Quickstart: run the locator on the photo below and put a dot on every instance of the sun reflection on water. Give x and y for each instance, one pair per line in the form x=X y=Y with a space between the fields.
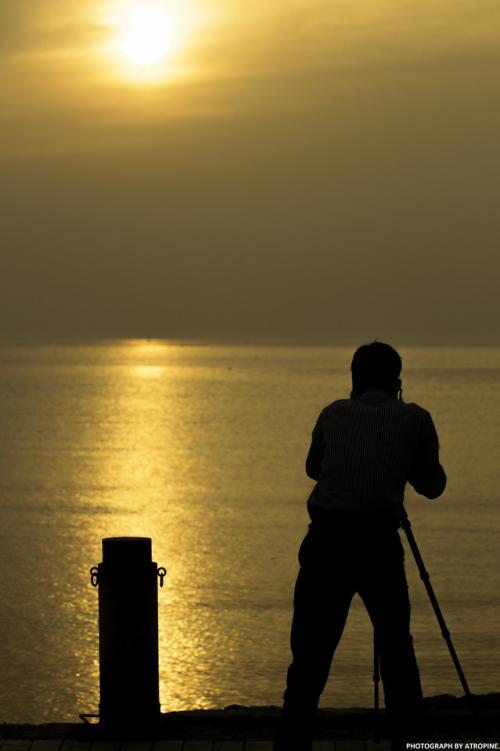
x=179 y=443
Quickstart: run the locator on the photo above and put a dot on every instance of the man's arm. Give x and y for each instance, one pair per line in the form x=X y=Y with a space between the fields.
x=315 y=455
x=427 y=475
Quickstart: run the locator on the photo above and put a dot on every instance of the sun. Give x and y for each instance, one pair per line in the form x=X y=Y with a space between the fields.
x=147 y=42
x=147 y=35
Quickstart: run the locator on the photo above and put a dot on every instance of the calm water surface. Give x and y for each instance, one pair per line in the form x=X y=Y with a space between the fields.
x=202 y=448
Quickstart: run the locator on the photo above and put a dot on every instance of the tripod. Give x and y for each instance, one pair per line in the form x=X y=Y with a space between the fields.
x=424 y=575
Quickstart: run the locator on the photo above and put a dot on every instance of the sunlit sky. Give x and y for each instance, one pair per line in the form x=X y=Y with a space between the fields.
x=213 y=169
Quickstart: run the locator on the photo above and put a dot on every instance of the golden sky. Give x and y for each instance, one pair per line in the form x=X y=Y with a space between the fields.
x=328 y=152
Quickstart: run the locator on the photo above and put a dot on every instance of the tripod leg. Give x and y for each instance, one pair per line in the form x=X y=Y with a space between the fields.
x=424 y=575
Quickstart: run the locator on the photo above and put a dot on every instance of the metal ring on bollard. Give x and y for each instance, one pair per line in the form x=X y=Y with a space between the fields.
x=94 y=576
x=162 y=572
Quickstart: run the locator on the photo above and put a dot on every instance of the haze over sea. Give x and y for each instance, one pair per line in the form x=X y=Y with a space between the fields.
x=202 y=448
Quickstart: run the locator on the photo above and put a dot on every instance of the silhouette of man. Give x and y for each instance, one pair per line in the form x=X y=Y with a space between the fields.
x=363 y=452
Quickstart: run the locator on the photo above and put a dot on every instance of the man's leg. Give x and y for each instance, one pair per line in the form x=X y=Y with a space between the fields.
x=321 y=604
x=384 y=591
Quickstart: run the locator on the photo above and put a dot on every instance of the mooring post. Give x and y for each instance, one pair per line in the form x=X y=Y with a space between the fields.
x=128 y=631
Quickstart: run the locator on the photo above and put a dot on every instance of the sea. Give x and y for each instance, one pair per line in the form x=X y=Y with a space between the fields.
x=201 y=447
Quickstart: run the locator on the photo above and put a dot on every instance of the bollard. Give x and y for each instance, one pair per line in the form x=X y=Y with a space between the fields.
x=128 y=631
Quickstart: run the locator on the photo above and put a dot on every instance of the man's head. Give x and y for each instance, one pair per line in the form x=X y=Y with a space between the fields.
x=378 y=366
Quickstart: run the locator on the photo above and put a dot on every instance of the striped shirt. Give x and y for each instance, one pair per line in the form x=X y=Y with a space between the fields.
x=365 y=449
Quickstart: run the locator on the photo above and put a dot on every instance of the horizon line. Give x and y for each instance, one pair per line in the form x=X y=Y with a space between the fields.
x=247 y=340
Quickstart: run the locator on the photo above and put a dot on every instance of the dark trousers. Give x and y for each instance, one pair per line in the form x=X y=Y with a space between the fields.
x=338 y=558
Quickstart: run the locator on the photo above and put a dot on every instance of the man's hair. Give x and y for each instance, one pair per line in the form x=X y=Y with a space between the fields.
x=375 y=365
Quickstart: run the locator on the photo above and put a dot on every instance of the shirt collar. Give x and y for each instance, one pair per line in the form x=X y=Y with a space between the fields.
x=374 y=393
